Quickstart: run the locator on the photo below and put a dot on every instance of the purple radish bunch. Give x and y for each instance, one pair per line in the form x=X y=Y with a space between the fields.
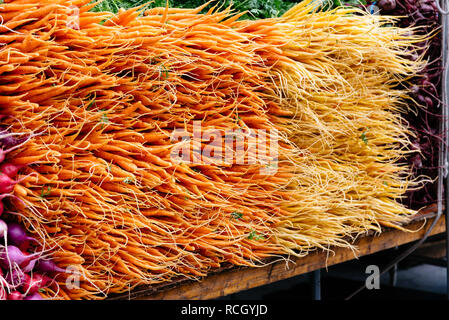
x=424 y=90
x=22 y=274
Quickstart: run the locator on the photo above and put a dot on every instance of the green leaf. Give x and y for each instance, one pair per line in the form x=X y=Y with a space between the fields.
x=236 y=215
x=364 y=138
x=253 y=235
x=258 y=9
x=165 y=71
x=45 y=193
x=104 y=118
x=128 y=180
x=91 y=104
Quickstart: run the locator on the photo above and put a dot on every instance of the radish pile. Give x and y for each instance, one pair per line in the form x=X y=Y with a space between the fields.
x=22 y=272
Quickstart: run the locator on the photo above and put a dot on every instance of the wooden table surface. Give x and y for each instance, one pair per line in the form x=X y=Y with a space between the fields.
x=235 y=279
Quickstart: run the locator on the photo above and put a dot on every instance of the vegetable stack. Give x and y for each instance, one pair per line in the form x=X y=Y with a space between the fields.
x=426 y=96
x=23 y=269
x=103 y=97
x=23 y=273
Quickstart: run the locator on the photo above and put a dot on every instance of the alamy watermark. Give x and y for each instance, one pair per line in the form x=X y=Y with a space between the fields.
x=72 y=281
x=373 y=280
x=225 y=147
x=73 y=17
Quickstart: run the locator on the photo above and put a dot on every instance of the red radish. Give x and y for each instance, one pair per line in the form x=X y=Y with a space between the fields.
x=17 y=234
x=14 y=256
x=25 y=246
x=26 y=282
x=30 y=266
x=45 y=265
x=10 y=169
x=2 y=207
x=46 y=281
x=15 y=295
x=15 y=278
x=32 y=284
x=42 y=279
x=34 y=296
x=11 y=141
x=7 y=140
x=6 y=183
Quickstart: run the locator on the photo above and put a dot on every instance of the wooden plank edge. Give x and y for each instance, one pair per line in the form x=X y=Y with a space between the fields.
x=239 y=279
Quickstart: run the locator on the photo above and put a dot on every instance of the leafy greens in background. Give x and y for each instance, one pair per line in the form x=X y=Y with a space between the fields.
x=257 y=9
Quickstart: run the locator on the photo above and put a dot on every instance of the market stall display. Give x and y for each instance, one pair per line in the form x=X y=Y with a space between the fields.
x=163 y=143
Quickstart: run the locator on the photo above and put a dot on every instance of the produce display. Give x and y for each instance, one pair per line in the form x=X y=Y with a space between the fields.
x=164 y=143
